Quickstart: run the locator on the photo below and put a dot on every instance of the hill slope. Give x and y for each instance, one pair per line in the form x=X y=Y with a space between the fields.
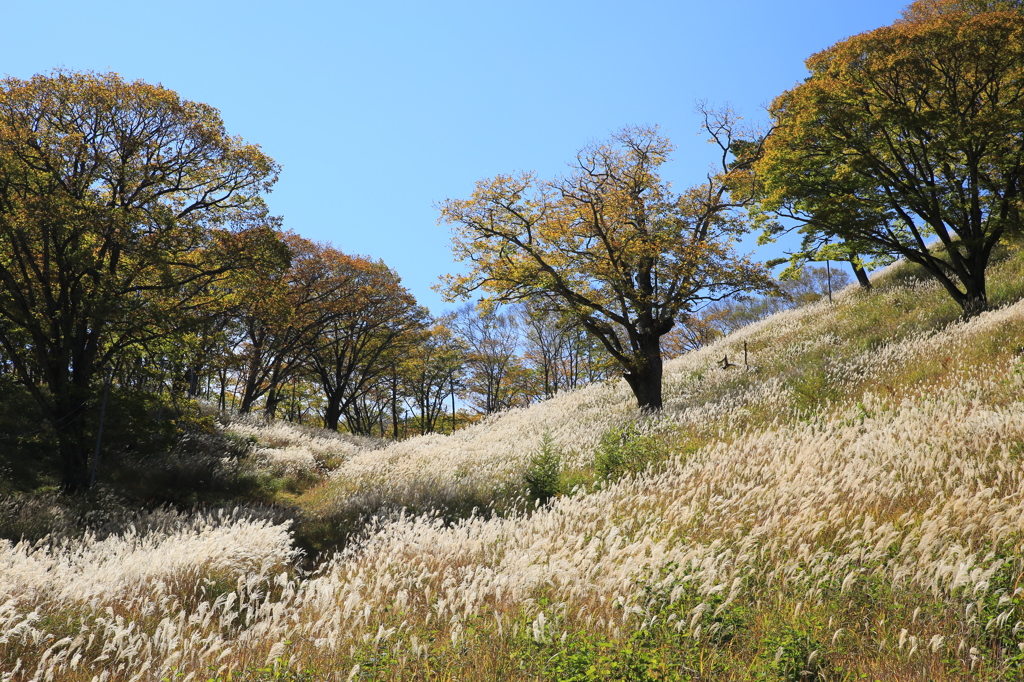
x=848 y=507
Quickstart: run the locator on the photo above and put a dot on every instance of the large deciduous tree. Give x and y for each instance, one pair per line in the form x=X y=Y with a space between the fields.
x=119 y=204
x=610 y=245
x=909 y=133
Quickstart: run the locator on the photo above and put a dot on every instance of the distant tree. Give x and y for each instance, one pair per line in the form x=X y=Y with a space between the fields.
x=432 y=372
x=610 y=245
x=495 y=378
x=120 y=203
x=559 y=350
x=907 y=133
x=695 y=331
x=376 y=321
x=280 y=318
x=816 y=247
x=801 y=287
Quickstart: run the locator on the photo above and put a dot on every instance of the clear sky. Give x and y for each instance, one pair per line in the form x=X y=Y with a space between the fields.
x=378 y=110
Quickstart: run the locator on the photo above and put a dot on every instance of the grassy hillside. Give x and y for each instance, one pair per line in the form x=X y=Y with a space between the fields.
x=848 y=507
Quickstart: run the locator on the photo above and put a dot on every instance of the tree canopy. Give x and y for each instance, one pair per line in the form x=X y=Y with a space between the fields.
x=909 y=140
x=609 y=245
x=119 y=204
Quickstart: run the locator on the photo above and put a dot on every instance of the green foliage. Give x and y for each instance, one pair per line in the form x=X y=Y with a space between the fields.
x=837 y=161
x=812 y=387
x=625 y=451
x=791 y=654
x=585 y=659
x=543 y=479
x=158 y=204
x=995 y=616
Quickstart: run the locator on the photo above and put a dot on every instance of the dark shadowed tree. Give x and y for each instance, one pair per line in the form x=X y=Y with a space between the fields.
x=376 y=320
x=120 y=203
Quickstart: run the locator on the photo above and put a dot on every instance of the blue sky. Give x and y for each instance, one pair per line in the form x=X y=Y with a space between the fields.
x=377 y=111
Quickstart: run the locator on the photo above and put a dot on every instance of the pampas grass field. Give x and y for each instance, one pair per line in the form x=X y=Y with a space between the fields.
x=850 y=506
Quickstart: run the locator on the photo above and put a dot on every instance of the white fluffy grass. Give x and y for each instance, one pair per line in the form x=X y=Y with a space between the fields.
x=910 y=490
x=288 y=448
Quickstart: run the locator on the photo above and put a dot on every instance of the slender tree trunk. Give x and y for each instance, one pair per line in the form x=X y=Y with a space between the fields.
x=222 y=377
x=862 y=275
x=394 y=404
x=270 y=408
x=250 y=388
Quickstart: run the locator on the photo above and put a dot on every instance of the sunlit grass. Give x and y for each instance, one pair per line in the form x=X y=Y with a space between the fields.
x=848 y=507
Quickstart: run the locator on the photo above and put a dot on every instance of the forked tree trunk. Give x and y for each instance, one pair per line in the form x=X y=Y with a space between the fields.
x=973 y=299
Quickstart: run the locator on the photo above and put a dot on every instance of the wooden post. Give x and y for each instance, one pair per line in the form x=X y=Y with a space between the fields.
x=828 y=269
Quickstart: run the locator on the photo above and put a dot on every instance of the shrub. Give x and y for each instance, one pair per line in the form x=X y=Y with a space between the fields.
x=625 y=451
x=792 y=655
x=544 y=477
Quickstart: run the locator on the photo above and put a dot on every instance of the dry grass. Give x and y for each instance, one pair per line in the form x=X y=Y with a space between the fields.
x=850 y=507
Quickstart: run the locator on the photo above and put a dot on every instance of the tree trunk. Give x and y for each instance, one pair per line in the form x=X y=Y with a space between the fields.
x=332 y=413
x=69 y=423
x=976 y=297
x=974 y=304
x=270 y=408
x=250 y=388
x=862 y=276
x=645 y=379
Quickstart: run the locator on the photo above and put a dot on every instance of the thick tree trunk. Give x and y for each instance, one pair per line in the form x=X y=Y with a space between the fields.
x=645 y=379
x=974 y=304
x=74 y=465
x=69 y=423
x=332 y=413
x=975 y=300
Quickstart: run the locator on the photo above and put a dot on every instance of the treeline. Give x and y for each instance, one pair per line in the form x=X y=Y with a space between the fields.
x=336 y=341
x=139 y=263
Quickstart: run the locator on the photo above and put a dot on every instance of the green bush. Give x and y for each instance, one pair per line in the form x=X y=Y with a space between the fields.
x=625 y=451
x=792 y=655
x=544 y=477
